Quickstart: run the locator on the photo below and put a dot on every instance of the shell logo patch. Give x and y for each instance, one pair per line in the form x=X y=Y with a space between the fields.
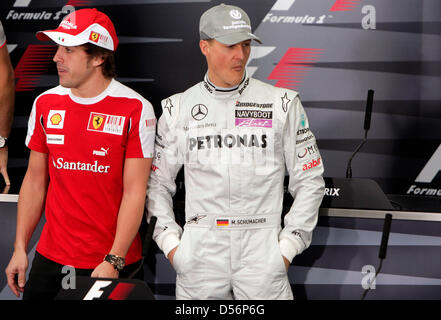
x=55 y=119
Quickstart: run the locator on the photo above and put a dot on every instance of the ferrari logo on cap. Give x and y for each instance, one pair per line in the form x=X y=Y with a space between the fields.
x=94 y=36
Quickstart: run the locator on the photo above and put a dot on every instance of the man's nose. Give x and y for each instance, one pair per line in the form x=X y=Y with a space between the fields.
x=58 y=55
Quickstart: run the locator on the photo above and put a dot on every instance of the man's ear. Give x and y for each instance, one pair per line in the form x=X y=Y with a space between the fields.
x=205 y=47
x=97 y=61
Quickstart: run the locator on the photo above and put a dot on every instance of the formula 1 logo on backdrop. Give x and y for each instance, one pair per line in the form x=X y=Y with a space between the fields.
x=432 y=167
x=339 y=5
x=427 y=175
x=368 y=12
x=285 y=5
x=34 y=15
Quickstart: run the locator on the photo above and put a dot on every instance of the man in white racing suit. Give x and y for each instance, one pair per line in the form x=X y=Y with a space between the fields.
x=236 y=138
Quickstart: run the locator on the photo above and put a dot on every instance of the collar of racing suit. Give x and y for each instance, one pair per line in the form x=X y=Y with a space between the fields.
x=225 y=93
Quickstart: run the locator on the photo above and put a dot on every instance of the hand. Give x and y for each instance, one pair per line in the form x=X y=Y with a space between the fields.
x=4 y=165
x=17 y=267
x=171 y=255
x=287 y=263
x=105 y=270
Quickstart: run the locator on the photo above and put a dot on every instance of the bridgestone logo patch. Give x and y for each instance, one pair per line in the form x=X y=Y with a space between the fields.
x=253 y=105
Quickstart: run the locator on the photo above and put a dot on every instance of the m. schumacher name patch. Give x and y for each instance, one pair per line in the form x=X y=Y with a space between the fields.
x=238 y=222
x=106 y=123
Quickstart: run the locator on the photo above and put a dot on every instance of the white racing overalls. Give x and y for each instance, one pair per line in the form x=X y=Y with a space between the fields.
x=236 y=147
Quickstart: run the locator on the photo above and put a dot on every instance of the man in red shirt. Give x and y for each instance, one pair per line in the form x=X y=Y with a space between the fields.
x=92 y=142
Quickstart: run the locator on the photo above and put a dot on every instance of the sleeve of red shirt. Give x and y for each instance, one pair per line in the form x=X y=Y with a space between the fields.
x=36 y=136
x=141 y=136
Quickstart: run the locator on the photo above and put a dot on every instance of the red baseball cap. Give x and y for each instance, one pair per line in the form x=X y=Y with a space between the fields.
x=83 y=26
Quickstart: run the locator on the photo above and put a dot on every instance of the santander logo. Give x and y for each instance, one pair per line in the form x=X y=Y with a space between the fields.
x=94 y=167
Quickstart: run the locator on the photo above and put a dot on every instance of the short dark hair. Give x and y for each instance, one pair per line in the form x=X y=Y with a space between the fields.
x=108 y=67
